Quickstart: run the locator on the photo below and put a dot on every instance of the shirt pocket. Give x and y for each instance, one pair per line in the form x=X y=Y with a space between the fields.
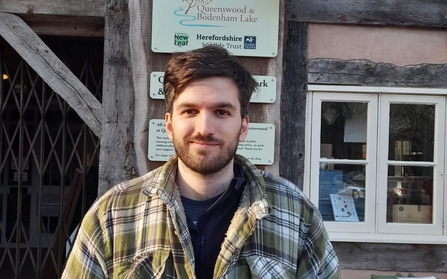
x=152 y=265
x=269 y=268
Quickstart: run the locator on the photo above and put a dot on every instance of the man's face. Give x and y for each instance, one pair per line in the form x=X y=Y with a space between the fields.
x=206 y=125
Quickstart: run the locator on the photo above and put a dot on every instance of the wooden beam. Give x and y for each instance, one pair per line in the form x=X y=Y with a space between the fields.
x=95 y=8
x=293 y=104
x=65 y=25
x=48 y=66
x=422 y=13
x=117 y=154
x=392 y=257
x=143 y=62
x=367 y=73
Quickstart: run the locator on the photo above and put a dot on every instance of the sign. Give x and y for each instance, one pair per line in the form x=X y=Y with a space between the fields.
x=265 y=93
x=243 y=27
x=343 y=207
x=408 y=213
x=258 y=147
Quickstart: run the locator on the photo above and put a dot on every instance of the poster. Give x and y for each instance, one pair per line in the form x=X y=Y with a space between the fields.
x=344 y=208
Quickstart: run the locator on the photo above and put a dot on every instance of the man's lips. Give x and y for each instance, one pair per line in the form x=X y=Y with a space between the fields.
x=205 y=143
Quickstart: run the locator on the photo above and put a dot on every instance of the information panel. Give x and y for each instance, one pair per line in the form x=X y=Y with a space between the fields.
x=265 y=93
x=243 y=27
x=258 y=147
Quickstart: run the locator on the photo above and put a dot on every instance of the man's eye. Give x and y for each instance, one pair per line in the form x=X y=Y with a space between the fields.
x=189 y=111
x=222 y=112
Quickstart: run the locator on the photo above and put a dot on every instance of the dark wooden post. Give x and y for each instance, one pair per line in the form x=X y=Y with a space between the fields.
x=293 y=103
x=117 y=154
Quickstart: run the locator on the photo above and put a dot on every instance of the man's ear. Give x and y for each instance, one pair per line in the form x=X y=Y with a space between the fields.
x=168 y=122
x=244 y=129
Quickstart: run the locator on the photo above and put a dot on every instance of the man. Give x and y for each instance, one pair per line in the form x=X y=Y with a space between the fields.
x=207 y=212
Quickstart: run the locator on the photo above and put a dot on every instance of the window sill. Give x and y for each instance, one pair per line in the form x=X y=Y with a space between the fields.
x=387 y=238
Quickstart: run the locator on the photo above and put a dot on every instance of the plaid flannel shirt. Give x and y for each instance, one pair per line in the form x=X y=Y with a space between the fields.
x=138 y=229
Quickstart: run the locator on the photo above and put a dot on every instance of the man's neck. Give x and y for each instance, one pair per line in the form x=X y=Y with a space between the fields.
x=196 y=186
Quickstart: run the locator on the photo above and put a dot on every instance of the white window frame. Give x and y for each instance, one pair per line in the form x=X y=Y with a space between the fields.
x=375 y=228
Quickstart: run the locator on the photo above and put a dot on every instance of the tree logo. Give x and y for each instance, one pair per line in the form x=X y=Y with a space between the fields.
x=193 y=3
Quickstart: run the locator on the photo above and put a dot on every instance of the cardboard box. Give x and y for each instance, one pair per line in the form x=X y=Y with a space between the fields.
x=406 y=213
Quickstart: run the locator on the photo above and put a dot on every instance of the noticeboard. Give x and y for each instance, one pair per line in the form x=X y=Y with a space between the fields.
x=243 y=27
x=265 y=93
x=258 y=147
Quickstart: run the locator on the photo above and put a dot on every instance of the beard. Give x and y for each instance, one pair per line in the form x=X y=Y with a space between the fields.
x=203 y=161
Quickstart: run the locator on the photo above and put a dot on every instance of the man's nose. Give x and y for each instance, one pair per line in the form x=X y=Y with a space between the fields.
x=206 y=123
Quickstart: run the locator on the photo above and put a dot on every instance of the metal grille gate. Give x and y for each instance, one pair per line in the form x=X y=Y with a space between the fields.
x=48 y=161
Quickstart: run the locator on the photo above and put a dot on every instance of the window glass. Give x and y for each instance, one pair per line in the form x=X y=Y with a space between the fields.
x=411 y=132
x=343 y=136
x=409 y=194
x=342 y=192
x=343 y=130
x=410 y=187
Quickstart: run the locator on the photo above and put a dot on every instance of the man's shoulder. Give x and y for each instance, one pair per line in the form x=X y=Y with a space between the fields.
x=136 y=184
x=279 y=183
x=284 y=194
x=132 y=192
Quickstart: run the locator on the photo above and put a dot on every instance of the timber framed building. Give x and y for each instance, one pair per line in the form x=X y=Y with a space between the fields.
x=361 y=108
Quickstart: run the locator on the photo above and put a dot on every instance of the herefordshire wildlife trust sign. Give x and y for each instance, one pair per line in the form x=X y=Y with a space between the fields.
x=244 y=27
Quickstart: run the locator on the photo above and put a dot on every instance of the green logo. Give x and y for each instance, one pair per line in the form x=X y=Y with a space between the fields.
x=181 y=39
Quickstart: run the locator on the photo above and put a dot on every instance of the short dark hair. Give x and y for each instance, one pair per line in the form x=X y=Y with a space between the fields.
x=209 y=61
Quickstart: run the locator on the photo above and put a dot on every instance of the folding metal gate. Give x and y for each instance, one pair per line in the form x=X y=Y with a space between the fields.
x=48 y=161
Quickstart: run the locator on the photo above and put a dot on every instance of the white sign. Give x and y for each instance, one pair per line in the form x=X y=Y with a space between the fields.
x=265 y=93
x=243 y=27
x=258 y=147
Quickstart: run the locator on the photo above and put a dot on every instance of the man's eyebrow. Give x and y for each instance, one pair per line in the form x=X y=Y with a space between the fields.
x=218 y=105
x=225 y=105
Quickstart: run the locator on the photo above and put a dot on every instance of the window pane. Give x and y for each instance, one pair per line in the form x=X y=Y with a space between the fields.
x=343 y=130
x=411 y=132
x=409 y=195
x=342 y=193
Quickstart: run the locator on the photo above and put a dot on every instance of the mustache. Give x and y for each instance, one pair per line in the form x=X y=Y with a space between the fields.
x=202 y=138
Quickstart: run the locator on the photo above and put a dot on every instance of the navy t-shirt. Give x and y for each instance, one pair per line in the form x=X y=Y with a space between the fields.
x=208 y=222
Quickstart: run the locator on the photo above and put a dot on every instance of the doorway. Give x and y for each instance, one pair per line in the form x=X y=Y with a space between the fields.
x=48 y=160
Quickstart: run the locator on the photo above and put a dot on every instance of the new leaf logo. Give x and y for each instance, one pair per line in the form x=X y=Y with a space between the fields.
x=181 y=39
